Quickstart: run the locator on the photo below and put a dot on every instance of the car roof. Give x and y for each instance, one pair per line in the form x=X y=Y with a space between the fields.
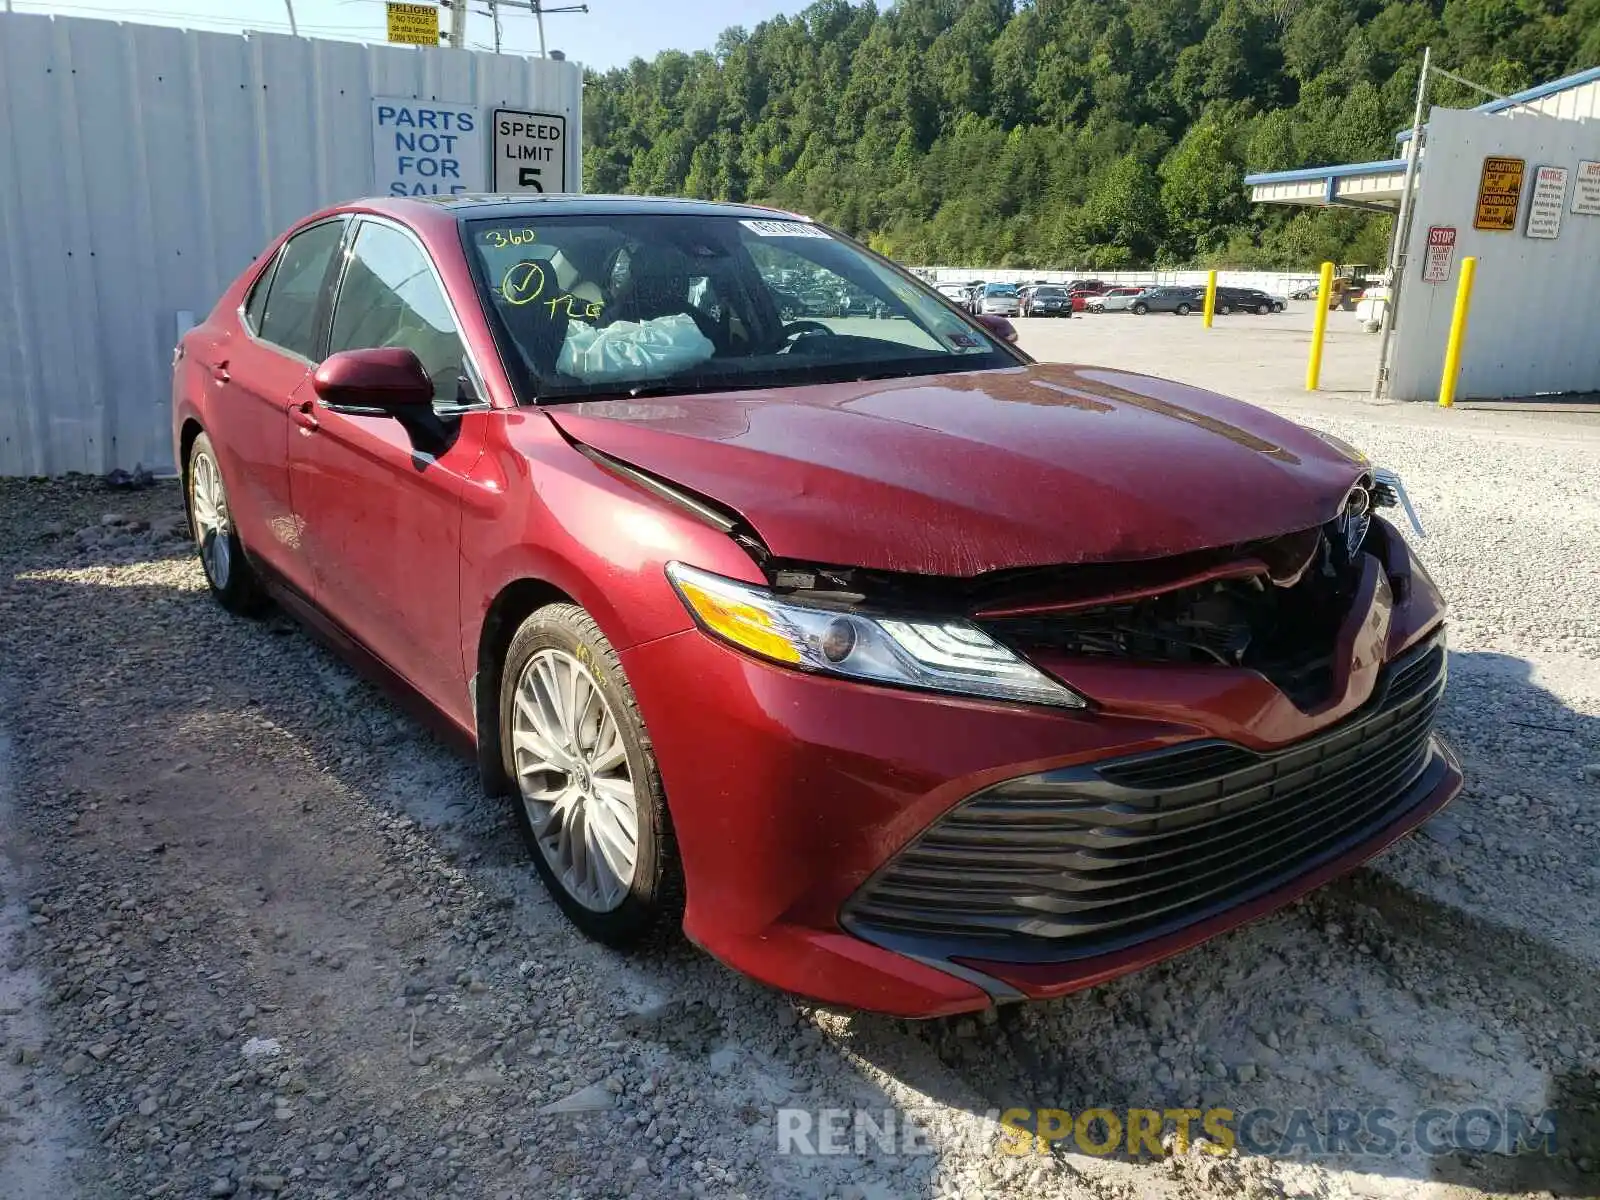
x=516 y=206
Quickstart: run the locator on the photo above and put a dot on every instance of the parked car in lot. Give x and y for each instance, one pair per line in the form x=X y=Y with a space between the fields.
x=1117 y=299
x=1180 y=300
x=957 y=293
x=1047 y=300
x=999 y=299
x=1238 y=299
x=714 y=601
x=1085 y=285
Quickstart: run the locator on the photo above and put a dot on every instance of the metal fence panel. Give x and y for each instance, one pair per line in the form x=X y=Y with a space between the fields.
x=142 y=167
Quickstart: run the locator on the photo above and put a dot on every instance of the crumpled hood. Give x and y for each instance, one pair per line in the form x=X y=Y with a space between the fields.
x=956 y=475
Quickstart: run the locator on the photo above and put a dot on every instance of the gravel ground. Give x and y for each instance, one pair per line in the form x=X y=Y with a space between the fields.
x=259 y=935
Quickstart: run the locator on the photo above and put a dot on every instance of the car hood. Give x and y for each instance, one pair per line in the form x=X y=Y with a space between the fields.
x=956 y=475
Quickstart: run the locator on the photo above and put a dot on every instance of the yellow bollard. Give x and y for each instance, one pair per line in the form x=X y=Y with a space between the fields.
x=1458 y=333
x=1211 y=297
x=1314 y=366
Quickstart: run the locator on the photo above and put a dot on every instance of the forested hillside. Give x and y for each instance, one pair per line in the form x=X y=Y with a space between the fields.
x=1062 y=132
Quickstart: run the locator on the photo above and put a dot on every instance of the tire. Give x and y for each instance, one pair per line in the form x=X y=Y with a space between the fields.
x=616 y=911
x=233 y=581
x=1182 y=310
x=1140 y=309
x=1225 y=310
x=1263 y=309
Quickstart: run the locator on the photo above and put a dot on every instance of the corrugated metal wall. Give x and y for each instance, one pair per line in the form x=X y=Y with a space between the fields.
x=143 y=167
x=1532 y=326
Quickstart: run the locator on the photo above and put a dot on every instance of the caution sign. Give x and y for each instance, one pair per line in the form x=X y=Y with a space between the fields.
x=530 y=151
x=1499 y=194
x=413 y=24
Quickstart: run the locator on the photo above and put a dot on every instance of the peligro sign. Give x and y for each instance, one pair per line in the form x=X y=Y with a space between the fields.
x=431 y=148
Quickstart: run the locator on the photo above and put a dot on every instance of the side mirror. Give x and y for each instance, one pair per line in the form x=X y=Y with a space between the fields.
x=383 y=381
x=999 y=326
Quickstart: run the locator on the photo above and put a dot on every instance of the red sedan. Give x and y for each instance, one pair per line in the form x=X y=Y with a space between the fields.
x=907 y=673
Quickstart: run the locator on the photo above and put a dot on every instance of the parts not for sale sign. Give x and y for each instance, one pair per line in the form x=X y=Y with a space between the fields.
x=530 y=151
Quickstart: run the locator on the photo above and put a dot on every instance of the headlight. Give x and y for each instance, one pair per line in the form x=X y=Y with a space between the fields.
x=948 y=655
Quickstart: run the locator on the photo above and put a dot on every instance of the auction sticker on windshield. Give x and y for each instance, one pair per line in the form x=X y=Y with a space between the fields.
x=784 y=229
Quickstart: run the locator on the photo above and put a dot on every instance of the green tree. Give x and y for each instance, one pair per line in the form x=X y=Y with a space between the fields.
x=1061 y=132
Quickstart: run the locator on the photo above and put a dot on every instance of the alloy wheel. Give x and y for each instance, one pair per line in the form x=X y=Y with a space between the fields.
x=208 y=507
x=574 y=778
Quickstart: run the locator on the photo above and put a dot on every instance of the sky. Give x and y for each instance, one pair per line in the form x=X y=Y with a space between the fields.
x=612 y=33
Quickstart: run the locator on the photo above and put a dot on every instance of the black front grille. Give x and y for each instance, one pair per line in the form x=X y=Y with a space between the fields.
x=1084 y=860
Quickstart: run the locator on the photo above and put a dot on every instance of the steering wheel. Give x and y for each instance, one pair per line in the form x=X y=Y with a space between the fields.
x=796 y=328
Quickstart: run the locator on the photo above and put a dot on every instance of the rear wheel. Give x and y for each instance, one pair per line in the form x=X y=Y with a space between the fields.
x=1141 y=308
x=232 y=579
x=1182 y=310
x=589 y=799
x=1263 y=309
x=1225 y=309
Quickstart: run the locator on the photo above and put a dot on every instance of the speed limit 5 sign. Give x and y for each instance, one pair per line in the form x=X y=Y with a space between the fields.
x=530 y=151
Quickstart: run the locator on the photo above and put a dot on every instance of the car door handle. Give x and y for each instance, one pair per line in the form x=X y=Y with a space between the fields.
x=304 y=416
x=219 y=371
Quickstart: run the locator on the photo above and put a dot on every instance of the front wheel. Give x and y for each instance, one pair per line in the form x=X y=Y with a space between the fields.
x=1141 y=309
x=1182 y=310
x=1263 y=309
x=589 y=800
x=232 y=579
x=1225 y=309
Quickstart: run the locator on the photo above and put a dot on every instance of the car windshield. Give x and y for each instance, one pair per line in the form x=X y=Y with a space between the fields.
x=1000 y=289
x=622 y=304
x=1049 y=291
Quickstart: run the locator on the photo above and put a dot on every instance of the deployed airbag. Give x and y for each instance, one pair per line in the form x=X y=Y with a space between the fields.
x=633 y=349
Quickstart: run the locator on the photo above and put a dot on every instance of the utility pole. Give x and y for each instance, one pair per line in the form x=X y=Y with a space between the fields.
x=538 y=8
x=494 y=11
x=294 y=30
x=1401 y=240
x=458 y=24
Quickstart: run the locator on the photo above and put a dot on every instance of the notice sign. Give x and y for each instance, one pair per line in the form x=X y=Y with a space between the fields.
x=530 y=151
x=1547 y=202
x=1586 y=190
x=413 y=24
x=425 y=148
x=1440 y=255
x=1499 y=194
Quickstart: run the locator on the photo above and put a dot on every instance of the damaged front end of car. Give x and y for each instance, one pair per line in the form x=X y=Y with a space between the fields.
x=1138 y=754
x=1309 y=667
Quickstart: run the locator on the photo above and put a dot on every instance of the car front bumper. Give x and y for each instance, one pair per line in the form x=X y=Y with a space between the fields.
x=819 y=820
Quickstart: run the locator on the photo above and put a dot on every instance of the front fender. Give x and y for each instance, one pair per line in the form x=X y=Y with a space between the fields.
x=538 y=510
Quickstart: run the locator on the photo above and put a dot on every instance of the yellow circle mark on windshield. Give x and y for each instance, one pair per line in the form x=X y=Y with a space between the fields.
x=522 y=283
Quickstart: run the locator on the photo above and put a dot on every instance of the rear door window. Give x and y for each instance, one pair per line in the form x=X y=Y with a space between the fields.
x=289 y=316
x=257 y=303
